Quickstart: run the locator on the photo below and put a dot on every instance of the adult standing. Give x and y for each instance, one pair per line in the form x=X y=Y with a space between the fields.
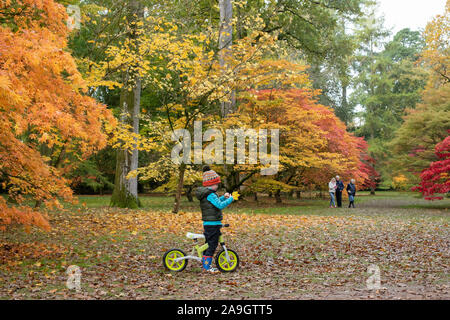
x=339 y=187
x=351 y=190
x=332 y=190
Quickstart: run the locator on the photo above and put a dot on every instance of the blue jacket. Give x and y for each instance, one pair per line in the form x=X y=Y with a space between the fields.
x=340 y=185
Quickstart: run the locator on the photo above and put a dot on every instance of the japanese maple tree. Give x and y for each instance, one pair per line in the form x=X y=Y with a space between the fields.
x=436 y=178
x=47 y=123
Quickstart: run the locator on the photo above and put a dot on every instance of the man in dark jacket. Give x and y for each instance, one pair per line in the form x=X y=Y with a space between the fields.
x=351 y=190
x=339 y=187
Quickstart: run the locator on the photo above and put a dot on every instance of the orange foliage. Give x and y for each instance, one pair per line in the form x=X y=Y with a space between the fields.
x=314 y=143
x=46 y=122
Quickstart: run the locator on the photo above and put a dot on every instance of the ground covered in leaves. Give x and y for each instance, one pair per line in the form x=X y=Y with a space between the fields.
x=299 y=250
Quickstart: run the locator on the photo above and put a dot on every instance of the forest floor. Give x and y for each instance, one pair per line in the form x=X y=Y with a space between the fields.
x=297 y=250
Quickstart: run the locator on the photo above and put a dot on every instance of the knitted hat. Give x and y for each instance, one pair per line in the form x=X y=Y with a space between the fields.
x=210 y=177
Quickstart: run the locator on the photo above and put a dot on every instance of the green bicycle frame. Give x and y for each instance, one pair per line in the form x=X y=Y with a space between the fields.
x=200 y=249
x=197 y=251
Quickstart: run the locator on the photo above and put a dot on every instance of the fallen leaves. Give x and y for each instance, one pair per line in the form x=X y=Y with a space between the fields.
x=12 y=254
x=282 y=256
x=112 y=222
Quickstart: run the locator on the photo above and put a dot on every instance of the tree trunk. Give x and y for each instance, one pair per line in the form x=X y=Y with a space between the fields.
x=344 y=104
x=299 y=194
x=176 y=206
x=229 y=180
x=278 y=196
x=125 y=193
x=189 y=194
x=225 y=42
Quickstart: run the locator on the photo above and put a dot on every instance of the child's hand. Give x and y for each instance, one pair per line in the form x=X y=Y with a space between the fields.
x=227 y=195
x=235 y=195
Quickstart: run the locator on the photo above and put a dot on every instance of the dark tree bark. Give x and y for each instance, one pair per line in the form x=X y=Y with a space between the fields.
x=278 y=196
x=176 y=206
x=189 y=194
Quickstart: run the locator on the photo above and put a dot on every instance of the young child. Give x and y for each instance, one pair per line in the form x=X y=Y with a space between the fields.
x=211 y=206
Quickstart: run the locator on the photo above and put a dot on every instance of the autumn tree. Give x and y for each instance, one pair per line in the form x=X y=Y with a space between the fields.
x=414 y=145
x=370 y=177
x=191 y=81
x=311 y=136
x=114 y=64
x=437 y=52
x=47 y=123
x=125 y=193
x=436 y=178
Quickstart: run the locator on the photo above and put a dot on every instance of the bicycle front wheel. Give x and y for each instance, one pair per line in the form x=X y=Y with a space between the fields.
x=170 y=263
x=225 y=265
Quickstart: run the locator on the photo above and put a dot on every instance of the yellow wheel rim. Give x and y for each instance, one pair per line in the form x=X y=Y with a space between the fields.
x=174 y=265
x=224 y=264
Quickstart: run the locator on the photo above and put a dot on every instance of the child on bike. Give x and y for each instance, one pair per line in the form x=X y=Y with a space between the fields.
x=211 y=205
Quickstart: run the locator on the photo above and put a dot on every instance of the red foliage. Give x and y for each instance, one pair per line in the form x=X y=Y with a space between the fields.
x=436 y=178
x=366 y=166
x=332 y=150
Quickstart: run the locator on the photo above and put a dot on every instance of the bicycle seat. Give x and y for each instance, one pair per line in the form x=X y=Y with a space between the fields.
x=194 y=236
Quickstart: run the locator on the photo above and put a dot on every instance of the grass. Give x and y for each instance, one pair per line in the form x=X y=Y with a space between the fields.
x=300 y=249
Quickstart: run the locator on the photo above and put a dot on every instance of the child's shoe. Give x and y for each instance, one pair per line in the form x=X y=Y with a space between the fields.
x=206 y=262
x=212 y=270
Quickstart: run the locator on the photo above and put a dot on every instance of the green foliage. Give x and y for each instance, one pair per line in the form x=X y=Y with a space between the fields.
x=95 y=174
x=309 y=26
x=415 y=141
x=88 y=177
x=388 y=83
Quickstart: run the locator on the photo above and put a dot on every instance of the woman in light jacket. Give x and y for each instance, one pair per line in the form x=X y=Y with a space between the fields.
x=332 y=190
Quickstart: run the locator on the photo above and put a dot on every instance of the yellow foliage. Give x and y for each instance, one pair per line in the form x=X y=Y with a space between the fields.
x=400 y=183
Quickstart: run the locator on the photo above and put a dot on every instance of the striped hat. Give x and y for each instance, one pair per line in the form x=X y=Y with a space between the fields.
x=210 y=177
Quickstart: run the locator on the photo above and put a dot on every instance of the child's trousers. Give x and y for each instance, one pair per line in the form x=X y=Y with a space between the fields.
x=212 y=234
